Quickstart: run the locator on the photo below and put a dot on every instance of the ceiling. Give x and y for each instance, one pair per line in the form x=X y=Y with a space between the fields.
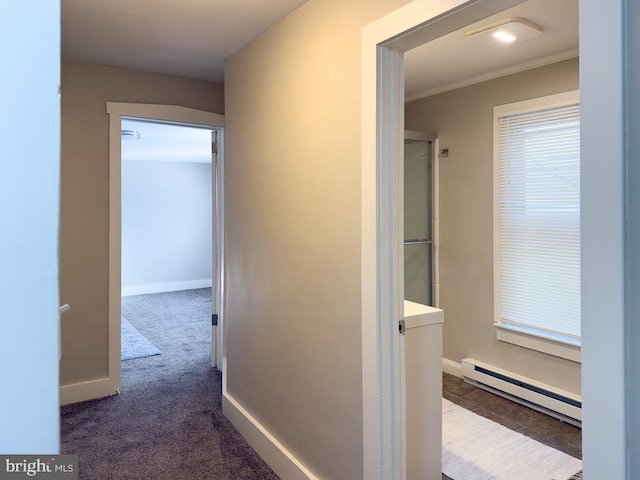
x=188 y=38
x=191 y=38
x=453 y=61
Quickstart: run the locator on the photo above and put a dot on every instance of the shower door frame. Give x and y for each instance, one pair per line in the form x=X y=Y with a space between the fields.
x=434 y=158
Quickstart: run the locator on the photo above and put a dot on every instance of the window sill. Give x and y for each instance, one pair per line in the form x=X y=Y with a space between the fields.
x=527 y=339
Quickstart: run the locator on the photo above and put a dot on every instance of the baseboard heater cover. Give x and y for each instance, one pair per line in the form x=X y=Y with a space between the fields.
x=544 y=398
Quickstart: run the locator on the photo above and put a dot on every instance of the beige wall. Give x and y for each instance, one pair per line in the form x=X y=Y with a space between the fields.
x=293 y=231
x=463 y=120
x=84 y=201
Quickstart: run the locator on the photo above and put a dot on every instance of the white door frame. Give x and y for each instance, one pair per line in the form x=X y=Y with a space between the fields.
x=166 y=114
x=218 y=264
x=383 y=45
x=603 y=227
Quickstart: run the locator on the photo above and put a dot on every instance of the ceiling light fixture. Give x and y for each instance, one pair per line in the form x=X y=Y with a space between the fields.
x=509 y=30
x=503 y=36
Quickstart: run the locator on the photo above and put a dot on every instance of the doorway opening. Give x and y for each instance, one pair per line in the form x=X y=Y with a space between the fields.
x=458 y=101
x=212 y=126
x=384 y=43
x=167 y=238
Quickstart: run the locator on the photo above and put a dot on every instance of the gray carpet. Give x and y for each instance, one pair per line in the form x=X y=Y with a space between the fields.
x=168 y=421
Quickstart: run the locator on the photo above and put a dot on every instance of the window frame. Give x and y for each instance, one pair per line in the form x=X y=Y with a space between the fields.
x=556 y=345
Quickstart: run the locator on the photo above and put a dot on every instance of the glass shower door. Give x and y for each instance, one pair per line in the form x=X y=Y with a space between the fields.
x=418 y=222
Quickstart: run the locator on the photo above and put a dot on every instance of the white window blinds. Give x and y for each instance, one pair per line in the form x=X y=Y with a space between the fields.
x=538 y=220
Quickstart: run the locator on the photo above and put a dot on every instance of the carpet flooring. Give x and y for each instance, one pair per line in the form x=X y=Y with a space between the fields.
x=167 y=423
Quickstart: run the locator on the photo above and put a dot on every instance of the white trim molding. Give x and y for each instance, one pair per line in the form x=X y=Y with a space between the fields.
x=451 y=367
x=166 y=113
x=277 y=456
x=548 y=345
x=603 y=171
x=82 y=391
x=166 y=287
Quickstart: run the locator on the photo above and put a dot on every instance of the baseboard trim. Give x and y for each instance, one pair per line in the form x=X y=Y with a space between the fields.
x=281 y=460
x=451 y=367
x=89 y=390
x=165 y=287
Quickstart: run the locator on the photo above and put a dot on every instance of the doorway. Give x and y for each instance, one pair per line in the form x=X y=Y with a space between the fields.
x=383 y=44
x=172 y=115
x=167 y=234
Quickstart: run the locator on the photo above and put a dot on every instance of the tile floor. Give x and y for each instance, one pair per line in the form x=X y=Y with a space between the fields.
x=543 y=428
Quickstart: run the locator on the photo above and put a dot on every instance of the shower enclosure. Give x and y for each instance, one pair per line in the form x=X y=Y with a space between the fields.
x=419 y=247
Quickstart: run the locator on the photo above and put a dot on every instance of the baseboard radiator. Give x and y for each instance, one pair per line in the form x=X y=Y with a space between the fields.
x=544 y=398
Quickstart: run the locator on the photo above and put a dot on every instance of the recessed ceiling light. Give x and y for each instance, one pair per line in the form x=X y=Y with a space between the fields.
x=504 y=36
x=509 y=30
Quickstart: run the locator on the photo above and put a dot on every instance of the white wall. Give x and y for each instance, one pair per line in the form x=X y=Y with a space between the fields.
x=29 y=209
x=166 y=226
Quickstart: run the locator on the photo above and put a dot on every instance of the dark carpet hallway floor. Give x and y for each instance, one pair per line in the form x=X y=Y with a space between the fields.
x=167 y=423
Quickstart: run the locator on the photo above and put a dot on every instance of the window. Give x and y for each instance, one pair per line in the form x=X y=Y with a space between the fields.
x=537 y=224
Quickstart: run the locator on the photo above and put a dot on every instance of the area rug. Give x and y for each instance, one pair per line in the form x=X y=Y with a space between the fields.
x=476 y=448
x=134 y=344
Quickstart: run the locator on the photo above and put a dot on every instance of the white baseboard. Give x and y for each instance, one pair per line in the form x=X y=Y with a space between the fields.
x=451 y=367
x=90 y=390
x=281 y=460
x=165 y=287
